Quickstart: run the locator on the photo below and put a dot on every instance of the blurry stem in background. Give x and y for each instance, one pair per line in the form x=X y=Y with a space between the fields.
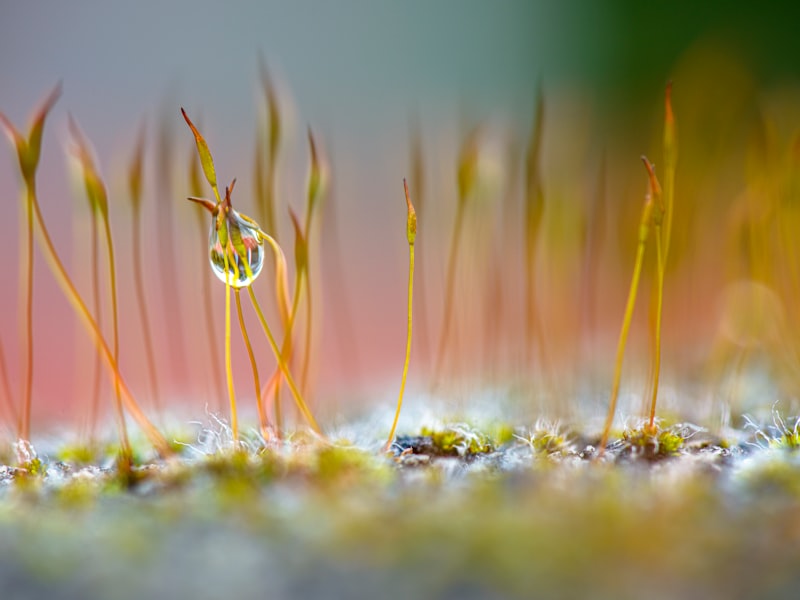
x=167 y=252
x=418 y=187
x=466 y=175
x=593 y=244
x=29 y=152
x=126 y=447
x=7 y=396
x=135 y=189
x=97 y=196
x=658 y=219
x=314 y=184
x=411 y=235
x=301 y=263
x=663 y=214
x=534 y=208
x=670 y=162
x=24 y=425
x=644 y=232
x=94 y=407
x=208 y=308
x=265 y=182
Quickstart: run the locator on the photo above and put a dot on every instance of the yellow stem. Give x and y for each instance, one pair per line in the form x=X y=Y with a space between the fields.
x=262 y=418
x=94 y=407
x=408 y=346
x=286 y=351
x=74 y=298
x=123 y=430
x=228 y=367
x=24 y=430
x=307 y=346
x=298 y=398
x=644 y=229
x=659 y=306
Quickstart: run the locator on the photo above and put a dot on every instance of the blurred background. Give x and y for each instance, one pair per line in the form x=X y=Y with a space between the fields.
x=383 y=85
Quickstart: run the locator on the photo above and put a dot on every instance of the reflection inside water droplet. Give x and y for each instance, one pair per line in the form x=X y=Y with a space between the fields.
x=239 y=274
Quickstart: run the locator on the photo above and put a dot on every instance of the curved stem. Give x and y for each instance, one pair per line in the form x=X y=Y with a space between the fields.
x=286 y=352
x=644 y=230
x=262 y=418
x=71 y=292
x=301 y=405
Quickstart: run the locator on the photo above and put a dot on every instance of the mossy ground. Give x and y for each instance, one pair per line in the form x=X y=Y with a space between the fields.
x=455 y=512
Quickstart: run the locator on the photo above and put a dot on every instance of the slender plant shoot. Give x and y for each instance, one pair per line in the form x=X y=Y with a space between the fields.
x=98 y=199
x=208 y=306
x=236 y=257
x=467 y=173
x=644 y=232
x=28 y=152
x=411 y=235
x=135 y=191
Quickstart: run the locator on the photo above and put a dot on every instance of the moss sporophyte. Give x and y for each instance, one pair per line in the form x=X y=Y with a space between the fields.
x=236 y=258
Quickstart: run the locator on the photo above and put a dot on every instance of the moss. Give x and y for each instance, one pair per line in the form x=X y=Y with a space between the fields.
x=458 y=440
x=345 y=465
x=652 y=444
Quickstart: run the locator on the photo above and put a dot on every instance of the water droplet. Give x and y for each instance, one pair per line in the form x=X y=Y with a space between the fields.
x=242 y=269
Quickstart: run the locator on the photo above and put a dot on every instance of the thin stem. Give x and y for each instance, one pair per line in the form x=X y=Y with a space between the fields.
x=449 y=291
x=262 y=418
x=307 y=345
x=644 y=230
x=12 y=411
x=659 y=306
x=228 y=367
x=24 y=430
x=94 y=407
x=301 y=405
x=75 y=299
x=408 y=345
x=142 y=302
x=123 y=430
x=286 y=352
